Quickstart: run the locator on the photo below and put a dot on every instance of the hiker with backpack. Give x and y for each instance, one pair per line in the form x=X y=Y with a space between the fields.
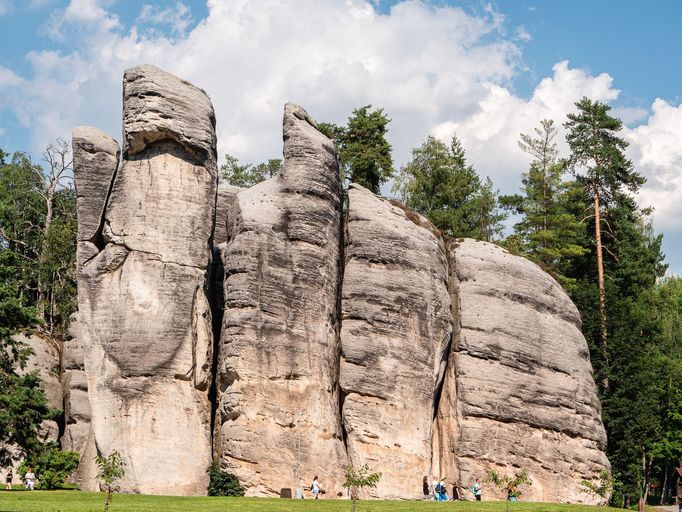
x=441 y=490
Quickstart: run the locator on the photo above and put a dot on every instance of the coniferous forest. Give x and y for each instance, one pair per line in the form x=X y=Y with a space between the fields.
x=576 y=215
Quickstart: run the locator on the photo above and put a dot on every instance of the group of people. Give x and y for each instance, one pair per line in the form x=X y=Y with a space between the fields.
x=439 y=491
x=29 y=479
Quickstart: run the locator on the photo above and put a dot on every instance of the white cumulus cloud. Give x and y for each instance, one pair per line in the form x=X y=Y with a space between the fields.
x=435 y=69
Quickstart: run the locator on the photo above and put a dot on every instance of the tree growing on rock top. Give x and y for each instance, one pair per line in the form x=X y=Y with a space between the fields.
x=548 y=232
x=363 y=151
x=247 y=175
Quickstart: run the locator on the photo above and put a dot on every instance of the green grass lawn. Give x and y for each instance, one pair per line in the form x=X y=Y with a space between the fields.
x=75 y=501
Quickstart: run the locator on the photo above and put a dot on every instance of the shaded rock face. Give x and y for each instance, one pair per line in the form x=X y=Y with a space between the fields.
x=78 y=434
x=519 y=392
x=396 y=329
x=143 y=306
x=258 y=328
x=278 y=361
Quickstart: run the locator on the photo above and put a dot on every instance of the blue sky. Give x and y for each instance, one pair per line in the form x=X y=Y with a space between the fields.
x=485 y=71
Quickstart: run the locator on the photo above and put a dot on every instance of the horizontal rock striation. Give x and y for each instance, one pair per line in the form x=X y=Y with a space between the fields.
x=78 y=434
x=278 y=361
x=144 y=311
x=396 y=330
x=521 y=386
x=262 y=329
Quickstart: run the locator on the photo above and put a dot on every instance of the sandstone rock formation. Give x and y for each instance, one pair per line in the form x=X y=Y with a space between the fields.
x=258 y=328
x=396 y=330
x=520 y=393
x=144 y=251
x=278 y=361
x=78 y=434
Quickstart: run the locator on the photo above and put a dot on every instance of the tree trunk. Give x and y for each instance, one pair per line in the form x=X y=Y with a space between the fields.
x=49 y=216
x=602 y=292
x=664 y=491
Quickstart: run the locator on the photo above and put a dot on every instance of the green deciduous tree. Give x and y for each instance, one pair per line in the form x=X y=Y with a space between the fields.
x=363 y=151
x=438 y=183
x=600 y=165
x=247 y=175
x=110 y=469
x=359 y=478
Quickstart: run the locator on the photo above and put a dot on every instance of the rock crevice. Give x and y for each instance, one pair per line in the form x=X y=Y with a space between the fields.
x=267 y=329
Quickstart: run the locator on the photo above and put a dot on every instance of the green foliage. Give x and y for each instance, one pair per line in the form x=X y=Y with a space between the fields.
x=110 y=469
x=438 y=183
x=359 y=478
x=509 y=484
x=222 y=483
x=602 y=487
x=247 y=175
x=489 y=219
x=363 y=151
x=51 y=465
x=37 y=286
x=597 y=153
x=549 y=231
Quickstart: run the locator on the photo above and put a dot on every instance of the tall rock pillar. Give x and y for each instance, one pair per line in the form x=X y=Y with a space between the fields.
x=394 y=339
x=144 y=248
x=278 y=362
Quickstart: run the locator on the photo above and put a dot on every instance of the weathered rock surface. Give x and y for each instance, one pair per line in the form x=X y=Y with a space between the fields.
x=394 y=339
x=370 y=340
x=145 y=317
x=78 y=434
x=278 y=362
x=521 y=385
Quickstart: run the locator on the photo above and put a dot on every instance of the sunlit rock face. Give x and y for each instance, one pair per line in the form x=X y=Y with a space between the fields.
x=279 y=351
x=397 y=325
x=519 y=391
x=259 y=328
x=143 y=253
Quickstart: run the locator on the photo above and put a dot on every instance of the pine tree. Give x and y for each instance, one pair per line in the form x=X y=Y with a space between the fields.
x=600 y=165
x=489 y=218
x=363 y=150
x=548 y=232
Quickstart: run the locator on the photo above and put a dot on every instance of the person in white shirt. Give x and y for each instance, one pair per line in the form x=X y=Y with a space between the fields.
x=315 y=487
x=434 y=484
x=30 y=478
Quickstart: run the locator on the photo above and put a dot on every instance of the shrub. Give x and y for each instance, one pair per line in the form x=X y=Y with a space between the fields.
x=52 y=466
x=222 y=483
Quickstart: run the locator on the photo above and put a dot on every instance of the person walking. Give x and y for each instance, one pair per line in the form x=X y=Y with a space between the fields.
x=30 y=478
x=455 y=492
x=442 y=490
x=425 y=488
x=477 y=489
x=315 y=487
x=434 y=485
x=8 y=478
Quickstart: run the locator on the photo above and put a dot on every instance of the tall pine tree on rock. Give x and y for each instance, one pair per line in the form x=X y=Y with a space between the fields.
x=600 y=165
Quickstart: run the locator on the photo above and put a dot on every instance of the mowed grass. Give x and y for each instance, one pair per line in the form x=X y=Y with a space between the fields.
x=75 y=501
